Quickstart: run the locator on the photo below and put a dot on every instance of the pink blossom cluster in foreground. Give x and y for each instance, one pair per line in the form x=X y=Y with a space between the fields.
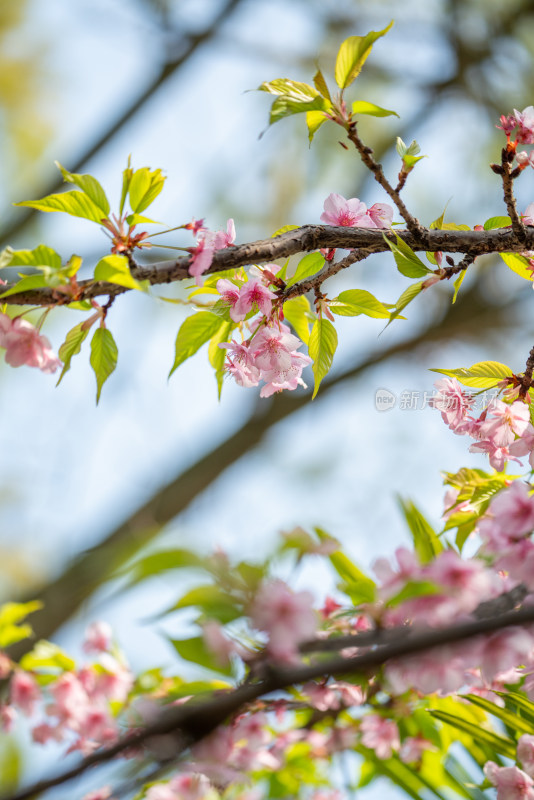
x=269 y=353
x=502 y=430
x=25 y=345
x=513 y=783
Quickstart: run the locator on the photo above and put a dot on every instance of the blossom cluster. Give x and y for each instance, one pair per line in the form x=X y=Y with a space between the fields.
x=503 y=430
x=79 y=707
x=207 y=243
x=520 y=124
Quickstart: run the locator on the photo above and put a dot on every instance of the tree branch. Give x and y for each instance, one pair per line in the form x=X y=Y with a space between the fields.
x=304 y=239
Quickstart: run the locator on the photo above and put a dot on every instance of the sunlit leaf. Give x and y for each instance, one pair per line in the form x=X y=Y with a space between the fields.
x=321 y=348
x=103 y=358
x=352 y=55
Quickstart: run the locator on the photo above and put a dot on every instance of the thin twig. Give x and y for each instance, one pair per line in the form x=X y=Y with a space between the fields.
x=366 y=154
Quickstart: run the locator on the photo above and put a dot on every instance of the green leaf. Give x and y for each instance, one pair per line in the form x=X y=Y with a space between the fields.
x=426 y=542
x=279 y=232
x=115 y=269
x=406 y=297
x=307 y=266
x=26 y=284
x=479 y=734
x=353 y=302
x=213 y=601
x=195 y=650
x=11 y=765
x=407 y=262
x=321 y=348
x=352 y=55
x=194 y=332
x=75 y=203
x=144 y=187
x=510 y=719
x=293 y=97
x=103 y=358
x=321 y=85
x=137 y=219
x=38 y=257
x=297 y=311
x=71 y=347
x=314 y=120
x=482 y=375
x=12 y=613
x=362 y=107
x=217 y=355
x=126 y=178
x=519 y=704
x=46 y=655
x=163 y=561
x=413 y=589
x=457 y=283
x=359 y=587
x=518 y=264
x=497 y=222
x=90 y=186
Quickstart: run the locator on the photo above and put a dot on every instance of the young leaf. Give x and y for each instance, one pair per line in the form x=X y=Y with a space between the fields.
x=90 y=186
x=352 y=55
x=503 y=746
x=195 y=650
x=144 y=187
x=407 y=262
x=26 y=284
x=126 y=178
x=321 y=348
x=497 y=222
x=212 y=600
x=115 y=269
x=510 y=719
x=518 y=264
x=321 y=85
x=217 y=355
x=293 y=97
x=307 y=266
x=482 y=375
x=359 y=587
x=362 y=107
x=41 y=256
x=71 y=347
x=314 y=120
x=194 y=332
x=46 y=655
x=353 y=302
x=406 y=297
x=425 y=540
x=103 y=358
x=457 y=283
x=77 y=204
x=296 y=312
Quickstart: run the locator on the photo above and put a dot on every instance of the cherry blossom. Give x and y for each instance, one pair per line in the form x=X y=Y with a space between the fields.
x=287 y=617
x=354 y=214
x=511 y=782
x=24 y=692
x=25 y=345
x=380 y=735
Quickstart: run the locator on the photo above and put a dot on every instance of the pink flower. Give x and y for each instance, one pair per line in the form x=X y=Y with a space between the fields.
x=208 y=242
x=240 y=364
x=508 y=421
x=452 y=401
x=44 y=733
x=528 y=216
x=98 y=637
x=8 y=716
x=525 y=122
x=24 y=692
x=505 y=649
x=513 y=510
x=25 y=345
x=252 y=294
x=413 y=748
x=348 y=213
x=525 y=753
x=287 y=617
x=381 y=214
x=508 y=123
x=190 y=787
x=511 y=782
x=380 y=735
